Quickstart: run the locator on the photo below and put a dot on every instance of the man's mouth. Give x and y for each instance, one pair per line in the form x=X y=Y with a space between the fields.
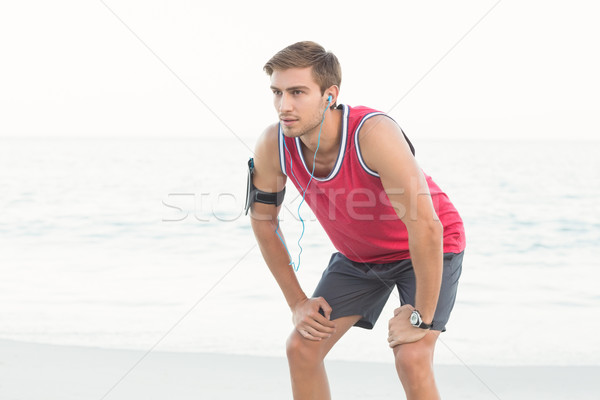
x=287 y=121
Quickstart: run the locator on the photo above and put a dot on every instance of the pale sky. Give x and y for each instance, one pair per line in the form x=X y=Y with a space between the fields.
x=527 y=70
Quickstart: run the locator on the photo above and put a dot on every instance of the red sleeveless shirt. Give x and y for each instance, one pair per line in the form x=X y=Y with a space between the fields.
x=351 y=204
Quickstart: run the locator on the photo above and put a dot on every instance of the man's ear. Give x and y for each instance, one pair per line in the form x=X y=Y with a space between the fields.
x=334 y=92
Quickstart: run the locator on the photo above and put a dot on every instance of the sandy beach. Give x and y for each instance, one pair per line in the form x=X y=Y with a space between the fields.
x=31 y=371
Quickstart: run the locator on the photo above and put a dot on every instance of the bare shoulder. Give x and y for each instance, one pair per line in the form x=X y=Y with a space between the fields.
x=268 y=175
x=267 y=141
x=381 y=139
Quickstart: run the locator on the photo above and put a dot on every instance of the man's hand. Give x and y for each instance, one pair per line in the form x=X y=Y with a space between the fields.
x=309 y=322
x=401 y=330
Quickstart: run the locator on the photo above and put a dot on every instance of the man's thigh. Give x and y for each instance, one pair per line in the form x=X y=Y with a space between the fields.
x=353 y=288
x=322 y=347
x=452 y=268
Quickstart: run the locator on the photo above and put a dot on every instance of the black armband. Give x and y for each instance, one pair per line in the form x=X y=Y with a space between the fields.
x=255 y=195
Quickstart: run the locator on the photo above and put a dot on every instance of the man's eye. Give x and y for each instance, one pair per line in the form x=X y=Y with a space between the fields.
x=296 y=92
x=276 y=92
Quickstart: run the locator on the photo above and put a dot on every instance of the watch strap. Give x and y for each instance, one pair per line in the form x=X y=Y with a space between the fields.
x=422 y=324
x=426 y=326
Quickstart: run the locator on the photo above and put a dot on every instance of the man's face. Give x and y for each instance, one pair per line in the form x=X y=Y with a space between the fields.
x=298 y=101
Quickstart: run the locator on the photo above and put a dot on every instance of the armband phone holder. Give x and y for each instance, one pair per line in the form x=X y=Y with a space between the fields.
x=255 y=195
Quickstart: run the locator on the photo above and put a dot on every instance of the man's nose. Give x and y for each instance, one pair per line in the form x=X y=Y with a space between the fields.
x=285 y=103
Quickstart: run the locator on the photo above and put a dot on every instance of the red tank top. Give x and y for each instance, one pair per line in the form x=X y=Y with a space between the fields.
x=351 y=204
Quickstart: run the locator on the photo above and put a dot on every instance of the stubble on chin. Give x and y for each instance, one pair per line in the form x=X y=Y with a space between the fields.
x=299 y=131
x=287 y=132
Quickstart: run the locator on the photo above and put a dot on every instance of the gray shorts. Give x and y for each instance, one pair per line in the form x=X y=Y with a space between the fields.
x=353 y=288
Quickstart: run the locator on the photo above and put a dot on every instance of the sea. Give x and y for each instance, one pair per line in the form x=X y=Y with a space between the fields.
x=142 y=243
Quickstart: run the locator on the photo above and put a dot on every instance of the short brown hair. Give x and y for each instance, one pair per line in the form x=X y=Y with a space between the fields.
x=326 y=69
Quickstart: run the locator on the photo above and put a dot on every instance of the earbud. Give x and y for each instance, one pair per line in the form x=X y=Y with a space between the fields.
x=329 y=98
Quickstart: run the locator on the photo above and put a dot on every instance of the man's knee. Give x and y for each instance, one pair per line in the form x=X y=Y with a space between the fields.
x=414 y=360
x=302 y=351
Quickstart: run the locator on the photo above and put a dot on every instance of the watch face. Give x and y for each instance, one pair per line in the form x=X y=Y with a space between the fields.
x=414 y=318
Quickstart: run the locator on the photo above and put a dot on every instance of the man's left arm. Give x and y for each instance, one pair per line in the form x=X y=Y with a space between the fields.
x=385 y=151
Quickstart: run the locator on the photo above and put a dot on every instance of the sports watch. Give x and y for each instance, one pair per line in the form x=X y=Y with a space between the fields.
x=417 y=321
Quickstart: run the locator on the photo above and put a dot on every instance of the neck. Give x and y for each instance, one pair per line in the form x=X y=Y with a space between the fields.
x=330 y=134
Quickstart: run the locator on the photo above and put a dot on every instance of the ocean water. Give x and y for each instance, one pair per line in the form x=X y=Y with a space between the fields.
x=141 y=242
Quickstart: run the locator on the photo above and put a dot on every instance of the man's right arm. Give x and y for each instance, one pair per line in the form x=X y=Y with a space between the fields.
x=268 y=177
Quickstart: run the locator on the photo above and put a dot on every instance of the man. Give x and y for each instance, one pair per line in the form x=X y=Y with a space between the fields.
x=392 y=225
